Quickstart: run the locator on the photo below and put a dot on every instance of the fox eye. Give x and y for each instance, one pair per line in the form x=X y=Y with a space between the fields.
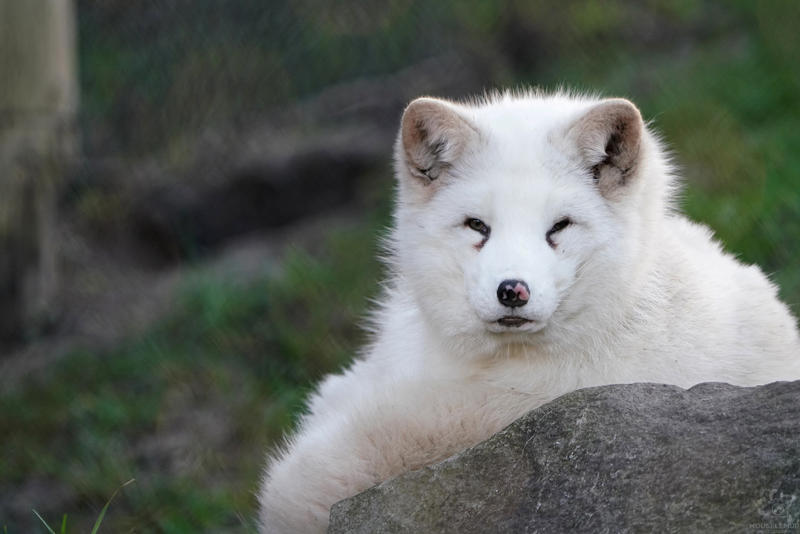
x=557 y=227
x=478 y=225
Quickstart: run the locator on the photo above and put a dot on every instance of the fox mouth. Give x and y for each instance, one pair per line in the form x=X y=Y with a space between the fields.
x=514 y=321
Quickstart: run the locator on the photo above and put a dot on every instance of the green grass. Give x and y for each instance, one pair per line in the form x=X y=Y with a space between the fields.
x=97 y=522
x=241 y=356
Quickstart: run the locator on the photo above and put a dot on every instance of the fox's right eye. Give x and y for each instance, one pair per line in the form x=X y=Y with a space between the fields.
x=479 y=226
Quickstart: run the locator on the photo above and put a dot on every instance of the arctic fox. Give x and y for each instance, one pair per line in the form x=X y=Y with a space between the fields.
x=536 y=249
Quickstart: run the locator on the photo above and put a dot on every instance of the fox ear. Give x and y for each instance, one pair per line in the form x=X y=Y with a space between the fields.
x=433 y=135
x=608 y=138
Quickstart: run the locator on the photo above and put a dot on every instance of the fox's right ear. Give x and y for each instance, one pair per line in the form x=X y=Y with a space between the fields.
x=433 y=135
x=609 y=138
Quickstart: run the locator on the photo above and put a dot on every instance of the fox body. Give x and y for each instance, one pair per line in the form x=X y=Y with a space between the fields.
x=535 y=250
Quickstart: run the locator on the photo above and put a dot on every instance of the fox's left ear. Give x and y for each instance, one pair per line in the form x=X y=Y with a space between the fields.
x=433 y=136
x=608 y=138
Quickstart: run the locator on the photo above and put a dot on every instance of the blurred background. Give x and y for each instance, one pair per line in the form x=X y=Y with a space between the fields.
x=192 y=195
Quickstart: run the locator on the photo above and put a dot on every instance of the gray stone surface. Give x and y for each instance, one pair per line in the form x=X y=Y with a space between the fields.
x=625 y=458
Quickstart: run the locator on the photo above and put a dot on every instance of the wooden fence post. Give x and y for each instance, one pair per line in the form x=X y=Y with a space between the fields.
x=38 y=139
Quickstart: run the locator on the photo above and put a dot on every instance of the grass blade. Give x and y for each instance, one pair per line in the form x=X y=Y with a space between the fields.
x=50 y=530
x=100 y=517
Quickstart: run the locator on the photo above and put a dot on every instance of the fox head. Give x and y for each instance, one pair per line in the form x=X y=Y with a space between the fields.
x=523 y=215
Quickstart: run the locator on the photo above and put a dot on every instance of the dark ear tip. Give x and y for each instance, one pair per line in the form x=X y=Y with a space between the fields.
x=420 y=107
x=622 y=103
x=624 y=110
x=414 y=119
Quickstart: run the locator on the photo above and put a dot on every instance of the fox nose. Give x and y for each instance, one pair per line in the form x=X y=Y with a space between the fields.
x=513 y=293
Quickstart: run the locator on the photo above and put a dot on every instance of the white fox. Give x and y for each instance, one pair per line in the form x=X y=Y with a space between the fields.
x=536 y=250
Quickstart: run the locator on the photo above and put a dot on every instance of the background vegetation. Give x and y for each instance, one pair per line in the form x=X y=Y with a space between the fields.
x=188 y=405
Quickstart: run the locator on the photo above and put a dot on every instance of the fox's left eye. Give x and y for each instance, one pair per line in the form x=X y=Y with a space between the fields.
x=478 y=225
x=557 y=227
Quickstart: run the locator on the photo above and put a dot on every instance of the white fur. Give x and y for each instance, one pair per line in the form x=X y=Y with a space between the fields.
x=631 y=292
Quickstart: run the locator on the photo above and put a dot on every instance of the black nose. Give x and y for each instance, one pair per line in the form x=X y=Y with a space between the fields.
x=513 y=293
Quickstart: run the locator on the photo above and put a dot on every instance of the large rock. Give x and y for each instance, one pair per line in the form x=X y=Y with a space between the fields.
x=625 y=458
